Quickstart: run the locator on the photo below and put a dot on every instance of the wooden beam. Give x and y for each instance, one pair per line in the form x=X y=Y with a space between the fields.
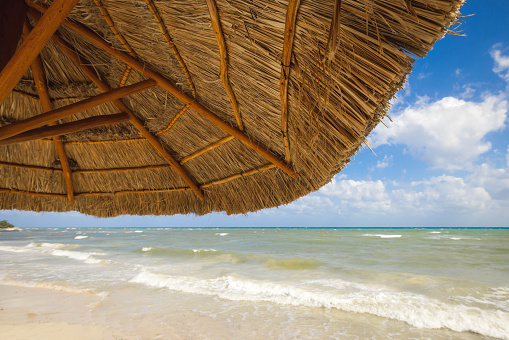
x=82 y=64
x=30 y=193
x=137 y=168
x=171 y=88
x=170 y=42
x=237 y=176
x=12 y=15
x=206 y=149
x=223 y=56
x=290 y=25
x=30 y=167
x=66 y=111
x=33 y=45
x=62 y=129
x=42 y=90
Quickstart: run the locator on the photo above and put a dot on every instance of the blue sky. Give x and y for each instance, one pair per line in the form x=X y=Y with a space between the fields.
x=443 y=161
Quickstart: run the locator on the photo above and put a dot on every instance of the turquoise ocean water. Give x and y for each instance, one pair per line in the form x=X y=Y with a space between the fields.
x=276 y=283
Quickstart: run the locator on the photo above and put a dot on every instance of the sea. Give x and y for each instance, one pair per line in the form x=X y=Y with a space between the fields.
x=274 y=283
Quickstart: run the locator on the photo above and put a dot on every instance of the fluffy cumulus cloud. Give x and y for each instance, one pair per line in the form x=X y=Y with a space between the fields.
x=484 y=191
x=501 y=62
x=448 y=133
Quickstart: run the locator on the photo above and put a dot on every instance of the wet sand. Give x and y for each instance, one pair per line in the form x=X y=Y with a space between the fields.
x=37 y=313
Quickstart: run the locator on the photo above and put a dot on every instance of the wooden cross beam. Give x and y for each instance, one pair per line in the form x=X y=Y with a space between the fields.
x=66 y=111
x=62 y=129
x=82 y=64
x=171 y=88
x=33 y=45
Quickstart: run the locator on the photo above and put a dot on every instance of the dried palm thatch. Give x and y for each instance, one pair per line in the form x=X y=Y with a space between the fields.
x=209 y=105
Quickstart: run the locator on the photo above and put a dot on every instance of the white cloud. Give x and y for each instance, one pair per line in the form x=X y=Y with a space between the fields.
x=384 y=163
x=501 y=62
x=312 y=205
x=448 y=133
x=484 y=192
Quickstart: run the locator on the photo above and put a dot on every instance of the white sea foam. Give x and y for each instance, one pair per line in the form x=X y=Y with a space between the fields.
x=11 y=229
x=435 y=232
x=76 y=255
x=382 y=235
x=80 y=237
x=414 y=309
x=44 y=245
x=138 y=231
x=222 y=234
x=464 y=238
x=146 y=249
x=203 y=250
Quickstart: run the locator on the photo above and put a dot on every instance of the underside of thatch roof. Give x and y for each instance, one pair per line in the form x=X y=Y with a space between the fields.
x=208 y=105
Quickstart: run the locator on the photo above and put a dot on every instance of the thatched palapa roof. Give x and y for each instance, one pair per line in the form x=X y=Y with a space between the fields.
x=193 y=106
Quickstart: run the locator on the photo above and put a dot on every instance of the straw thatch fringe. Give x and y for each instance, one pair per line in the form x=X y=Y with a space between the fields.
x=223 y=52
x=334 y=101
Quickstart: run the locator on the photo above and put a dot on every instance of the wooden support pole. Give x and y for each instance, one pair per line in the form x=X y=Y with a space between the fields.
x=66 y=111
x=132 y=117
x=223 y=55
x=42 y=90
x=291 y=19
x=33 y=45
x=62 y=129
x=171 y=88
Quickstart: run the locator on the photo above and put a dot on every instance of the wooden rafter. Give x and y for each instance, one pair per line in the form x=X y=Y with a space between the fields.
x=33 y=45
x=223 y=55
x=66 y=111
x=206 y=149
x=120 y=38
x=291 y=19
x=30 y=193
x=62 y=129
x=172 y=89
x=29 y=167
x=42 y=91
x=174 y=120
x=82 y=64
x=136 y=168
x=170 y=42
